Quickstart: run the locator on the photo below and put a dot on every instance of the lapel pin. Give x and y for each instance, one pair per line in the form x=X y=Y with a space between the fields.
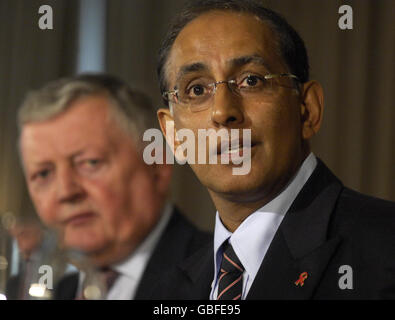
x=303 y=276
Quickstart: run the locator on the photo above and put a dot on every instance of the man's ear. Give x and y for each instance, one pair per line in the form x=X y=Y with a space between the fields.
x=312 y=108
x=167 y=126
x=164 y=117
x=166 y=122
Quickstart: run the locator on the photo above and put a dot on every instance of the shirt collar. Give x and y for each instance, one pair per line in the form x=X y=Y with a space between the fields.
x=134 y=265
x=262 y=224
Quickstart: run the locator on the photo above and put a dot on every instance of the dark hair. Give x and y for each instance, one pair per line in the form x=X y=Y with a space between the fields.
x=291 y=46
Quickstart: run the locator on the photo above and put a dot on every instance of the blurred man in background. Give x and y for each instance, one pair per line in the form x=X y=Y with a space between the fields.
x=28 y=234
x=81 y=148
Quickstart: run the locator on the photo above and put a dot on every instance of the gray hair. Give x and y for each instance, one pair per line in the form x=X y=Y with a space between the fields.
x=131 y=109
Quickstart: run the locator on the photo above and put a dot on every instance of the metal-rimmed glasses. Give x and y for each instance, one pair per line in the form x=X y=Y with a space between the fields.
x=196 y=93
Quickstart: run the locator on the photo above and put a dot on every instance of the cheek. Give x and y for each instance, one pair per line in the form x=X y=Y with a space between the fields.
x=105 y=197
x=185 y=119
x=141 y=195
x=279 y=123
x=45 y=205
x=122 y=199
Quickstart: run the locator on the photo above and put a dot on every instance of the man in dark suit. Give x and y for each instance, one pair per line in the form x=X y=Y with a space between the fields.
x=81 y=143
x=288 y=228
x=179 y=240
x=28 y=234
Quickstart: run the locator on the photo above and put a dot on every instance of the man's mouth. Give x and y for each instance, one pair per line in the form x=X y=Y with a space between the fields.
x=234 y=148
x=78 y=219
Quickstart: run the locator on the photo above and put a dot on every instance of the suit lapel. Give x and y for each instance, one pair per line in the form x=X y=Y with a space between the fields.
x=67 y=288
x=280 y=271
x=162 y=255
x=300 y=245
x=198 y=274
x=179 y=241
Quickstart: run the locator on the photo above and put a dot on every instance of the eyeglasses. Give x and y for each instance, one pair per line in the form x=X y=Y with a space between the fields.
x=196 y=93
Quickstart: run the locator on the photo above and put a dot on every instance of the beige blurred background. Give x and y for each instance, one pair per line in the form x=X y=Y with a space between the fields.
x=356 y=68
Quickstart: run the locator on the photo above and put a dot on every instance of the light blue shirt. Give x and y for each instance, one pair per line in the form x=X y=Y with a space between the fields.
x=252 y=238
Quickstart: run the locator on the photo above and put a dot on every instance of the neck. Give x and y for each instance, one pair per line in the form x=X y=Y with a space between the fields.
x=233 y=213
x=234 y=209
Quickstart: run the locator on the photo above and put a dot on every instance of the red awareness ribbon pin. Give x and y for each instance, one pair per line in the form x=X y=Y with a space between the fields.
x=303 y=276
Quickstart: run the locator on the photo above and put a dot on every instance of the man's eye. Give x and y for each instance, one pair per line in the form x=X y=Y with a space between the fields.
x=42 y=175
x=196 y=90
x=251 y=81
x=91 y=163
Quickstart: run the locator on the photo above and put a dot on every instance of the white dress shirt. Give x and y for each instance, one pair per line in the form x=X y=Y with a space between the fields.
x=252 y=238
x=132 y=268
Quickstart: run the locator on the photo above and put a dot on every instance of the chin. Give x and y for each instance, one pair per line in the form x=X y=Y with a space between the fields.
x=254 y=186
x=233 y=185
x=238 y=191
x=83 y=241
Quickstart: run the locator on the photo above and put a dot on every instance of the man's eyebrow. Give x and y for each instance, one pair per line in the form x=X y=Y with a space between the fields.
x=41 y=164
x=48 y=162
x=77 y=154
x=235 y=62
x=188 y=68
x=243 y=60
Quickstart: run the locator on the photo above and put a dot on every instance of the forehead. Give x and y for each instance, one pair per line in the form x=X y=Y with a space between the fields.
x=216 y=37
x=85 y=124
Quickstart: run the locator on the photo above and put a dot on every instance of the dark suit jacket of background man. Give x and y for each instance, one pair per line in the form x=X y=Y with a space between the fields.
x=179 y=240
x=328 y=226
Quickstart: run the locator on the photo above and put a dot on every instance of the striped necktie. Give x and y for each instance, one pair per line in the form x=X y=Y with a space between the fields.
x=231 y=276
x=108 y=276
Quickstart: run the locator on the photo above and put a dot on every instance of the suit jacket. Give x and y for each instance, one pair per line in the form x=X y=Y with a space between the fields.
x=344 y=240
x=12 y=290
x=178 y=241
x=16 y=284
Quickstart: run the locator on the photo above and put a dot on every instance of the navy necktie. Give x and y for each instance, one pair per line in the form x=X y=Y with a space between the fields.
x=231 y=276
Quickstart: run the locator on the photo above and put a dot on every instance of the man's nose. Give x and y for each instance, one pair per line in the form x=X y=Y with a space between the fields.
x=227 y=107
x=68 y=186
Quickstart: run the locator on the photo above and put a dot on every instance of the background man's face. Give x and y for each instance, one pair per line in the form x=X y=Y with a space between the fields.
x=87 y=179
x=215 y=40
x=28 y=238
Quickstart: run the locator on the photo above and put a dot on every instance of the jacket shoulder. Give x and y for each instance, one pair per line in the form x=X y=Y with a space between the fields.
x=366 y=221
x=366 y=209
x=365 y=203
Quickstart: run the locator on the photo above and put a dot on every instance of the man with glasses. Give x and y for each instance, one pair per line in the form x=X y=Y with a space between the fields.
x=288 y=229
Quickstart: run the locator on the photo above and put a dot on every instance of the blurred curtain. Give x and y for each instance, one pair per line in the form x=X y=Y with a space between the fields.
x=29 y=58
x=356 y=68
